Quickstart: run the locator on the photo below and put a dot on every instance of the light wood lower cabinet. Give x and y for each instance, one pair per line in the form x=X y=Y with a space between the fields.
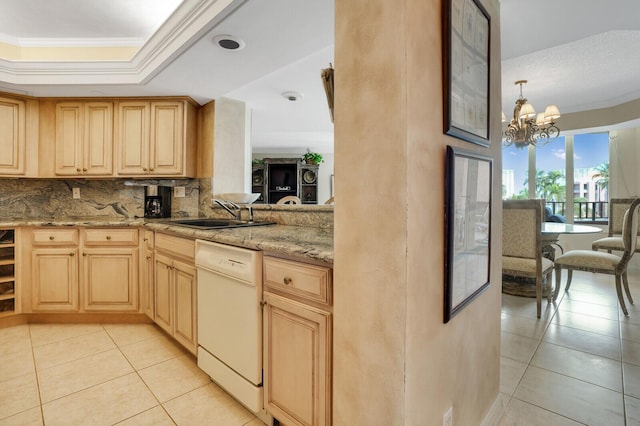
x=88 y=270
x=297 y=342
x=175 y=289
x=54 y=279
x=110 y=279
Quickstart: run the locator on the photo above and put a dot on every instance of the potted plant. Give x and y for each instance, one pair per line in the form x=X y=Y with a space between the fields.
x=312 y=157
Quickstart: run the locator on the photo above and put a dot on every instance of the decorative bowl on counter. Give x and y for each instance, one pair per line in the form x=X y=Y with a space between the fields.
x=238 y=197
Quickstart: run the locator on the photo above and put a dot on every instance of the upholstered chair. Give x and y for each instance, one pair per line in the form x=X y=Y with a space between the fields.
x=522 y=245
x=605 y=263
x=613 y=242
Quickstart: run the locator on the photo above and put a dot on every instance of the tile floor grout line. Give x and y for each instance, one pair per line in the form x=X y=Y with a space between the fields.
x=35 y=369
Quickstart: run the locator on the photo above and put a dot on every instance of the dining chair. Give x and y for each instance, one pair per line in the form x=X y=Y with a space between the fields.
x=289 y=199
x=604 y=263
x=613 y=242
x=522 y=246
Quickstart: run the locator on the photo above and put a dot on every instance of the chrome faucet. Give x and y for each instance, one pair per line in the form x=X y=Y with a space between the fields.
x=228 y=206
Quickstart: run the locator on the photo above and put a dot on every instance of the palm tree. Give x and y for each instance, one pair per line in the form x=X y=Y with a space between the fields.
x=602 y=177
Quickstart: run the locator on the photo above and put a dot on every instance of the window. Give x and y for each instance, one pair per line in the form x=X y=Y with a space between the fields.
x=588 y=173
x=591 y=171
x=514 y=172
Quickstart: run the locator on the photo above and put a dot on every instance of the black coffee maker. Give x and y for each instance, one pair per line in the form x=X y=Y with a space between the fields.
x=157 y=201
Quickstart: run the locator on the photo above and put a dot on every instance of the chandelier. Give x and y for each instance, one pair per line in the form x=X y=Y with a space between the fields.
x=528 y=128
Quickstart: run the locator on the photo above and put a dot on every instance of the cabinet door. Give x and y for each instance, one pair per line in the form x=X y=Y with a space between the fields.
x=133 y=138
x=185 y=288
x=97 y=158
x=297 y=357
x=12 y=137
x=110 y=279
x=147 y=285
x=54 y=275
x=166 y=151
x=68 y=142
x=84 y=139
x=163 y=294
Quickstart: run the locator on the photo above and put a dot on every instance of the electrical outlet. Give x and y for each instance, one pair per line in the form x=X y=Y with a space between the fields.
x=178 y=191
x=447 y=419
x=76 y=193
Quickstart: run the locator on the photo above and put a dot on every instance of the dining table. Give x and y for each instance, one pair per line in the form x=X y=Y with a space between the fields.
x=551 y=232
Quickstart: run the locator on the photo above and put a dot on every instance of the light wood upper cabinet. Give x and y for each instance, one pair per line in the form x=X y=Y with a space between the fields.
x=12 y=136
x=156 y=138
x=84 y=139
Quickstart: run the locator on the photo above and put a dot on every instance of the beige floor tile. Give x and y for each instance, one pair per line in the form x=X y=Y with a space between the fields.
x=255 y=422
x=631 y=352
x=632 y=410
x=510 y=374
x=152 y=351
x=631 y=374
x=590 y=368
x=153 y=417
x=527 y=327
x=31 y=417
x=41 y=334
x=592 y=309
x=519 y=413
x=14 y=339
x=587 y=322
x=104 y=404
x=126 y=334
x=629 y=331
x=516 y=347
x=589 y=297
x=526 y=307
x=59 y=352
x=208 y=405
x=16 y=364
x=572 y=398
x=18 y=394
x=174 y=377
x=597 y=344
x=73 y=376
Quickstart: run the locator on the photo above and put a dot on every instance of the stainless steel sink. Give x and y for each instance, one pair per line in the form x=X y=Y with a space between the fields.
x=206 y=223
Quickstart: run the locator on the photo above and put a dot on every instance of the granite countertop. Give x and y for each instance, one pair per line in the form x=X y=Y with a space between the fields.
x=305 y=242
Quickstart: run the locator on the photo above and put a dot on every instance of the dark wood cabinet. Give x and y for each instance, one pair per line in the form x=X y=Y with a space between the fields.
x=279 y=177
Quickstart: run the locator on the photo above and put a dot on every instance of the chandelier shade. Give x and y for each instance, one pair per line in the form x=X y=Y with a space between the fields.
x=528 y=128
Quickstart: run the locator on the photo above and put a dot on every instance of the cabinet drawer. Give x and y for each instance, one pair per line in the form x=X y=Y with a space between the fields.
x=54 y=237
x=110 y=236
x=307 y=281
x=182 y=247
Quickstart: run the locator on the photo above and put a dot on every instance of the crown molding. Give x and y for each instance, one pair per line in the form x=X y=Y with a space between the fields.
x=191 y=20
x=71 y=42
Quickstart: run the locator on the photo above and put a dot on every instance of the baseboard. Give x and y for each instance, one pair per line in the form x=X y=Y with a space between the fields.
x=496 y=411
x=74 y=318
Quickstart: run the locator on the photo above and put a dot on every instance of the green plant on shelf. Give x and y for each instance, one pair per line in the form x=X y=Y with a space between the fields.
x=312 y=157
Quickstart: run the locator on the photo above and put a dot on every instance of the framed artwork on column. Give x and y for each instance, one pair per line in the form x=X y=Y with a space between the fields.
x=467 y=228
x=465 y=58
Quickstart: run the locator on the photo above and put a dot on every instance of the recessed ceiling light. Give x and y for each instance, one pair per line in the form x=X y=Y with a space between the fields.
x=292 y=96
x=228 y=42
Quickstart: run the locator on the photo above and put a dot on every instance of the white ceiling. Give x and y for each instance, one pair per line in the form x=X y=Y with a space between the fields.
x=577 y=54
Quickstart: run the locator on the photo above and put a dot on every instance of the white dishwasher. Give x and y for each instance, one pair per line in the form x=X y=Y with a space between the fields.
x=230 y=319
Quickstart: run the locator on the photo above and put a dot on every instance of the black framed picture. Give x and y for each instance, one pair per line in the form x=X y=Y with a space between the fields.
x=465 y=54
x=468 y=228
